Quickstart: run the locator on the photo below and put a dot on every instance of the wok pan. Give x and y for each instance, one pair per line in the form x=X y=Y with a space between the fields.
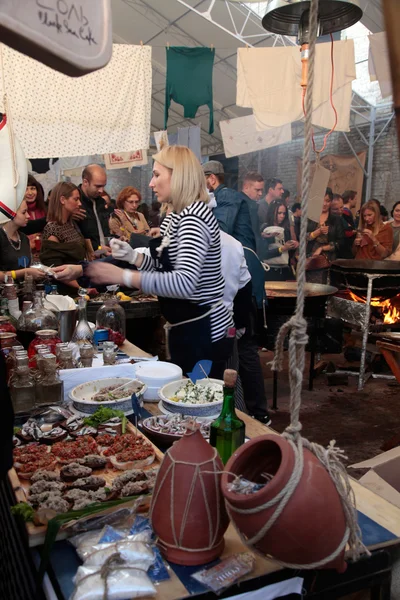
x=282 y=297
x=353 y=275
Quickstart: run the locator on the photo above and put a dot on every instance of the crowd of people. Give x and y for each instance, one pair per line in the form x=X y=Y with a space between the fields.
x=340 y=232
x=204 y=249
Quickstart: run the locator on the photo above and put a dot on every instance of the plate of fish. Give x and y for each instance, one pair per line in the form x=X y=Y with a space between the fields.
x=114 y=392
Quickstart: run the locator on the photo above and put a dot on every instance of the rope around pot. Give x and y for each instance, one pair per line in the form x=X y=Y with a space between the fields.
x=296 y=328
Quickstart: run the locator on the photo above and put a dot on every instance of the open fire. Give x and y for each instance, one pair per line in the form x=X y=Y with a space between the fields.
x=389 y=308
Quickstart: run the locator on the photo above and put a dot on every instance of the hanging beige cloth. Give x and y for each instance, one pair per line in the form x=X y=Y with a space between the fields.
x=55 y=115
x=378 y=63
x=268 y=81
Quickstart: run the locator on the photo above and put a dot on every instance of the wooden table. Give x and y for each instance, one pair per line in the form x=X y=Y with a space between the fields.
x=371 y=573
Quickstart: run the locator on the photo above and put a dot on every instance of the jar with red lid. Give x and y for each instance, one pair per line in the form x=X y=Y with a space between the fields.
x=47 y=337
x=6 y=325
x=8 y=339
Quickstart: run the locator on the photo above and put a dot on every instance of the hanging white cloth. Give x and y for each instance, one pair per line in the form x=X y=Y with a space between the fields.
x=93 y=114
x=268 y=81
x=378 y=63
x=241 y=136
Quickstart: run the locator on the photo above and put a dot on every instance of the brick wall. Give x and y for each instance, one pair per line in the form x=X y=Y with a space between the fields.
x=281 y=161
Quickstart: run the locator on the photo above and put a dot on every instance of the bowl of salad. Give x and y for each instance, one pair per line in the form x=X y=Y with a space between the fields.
x=201 y=399
x=113 y=392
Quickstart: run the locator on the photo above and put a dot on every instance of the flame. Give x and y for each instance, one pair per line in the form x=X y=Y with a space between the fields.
x=390 y=313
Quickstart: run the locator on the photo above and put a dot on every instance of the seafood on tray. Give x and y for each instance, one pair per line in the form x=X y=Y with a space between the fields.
x=80 y=469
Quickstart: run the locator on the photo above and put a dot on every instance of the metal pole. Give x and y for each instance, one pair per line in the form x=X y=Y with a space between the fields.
x=365 y=332
x=371 y=146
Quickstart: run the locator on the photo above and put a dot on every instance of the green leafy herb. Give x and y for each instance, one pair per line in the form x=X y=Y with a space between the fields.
x=102 y=415
x=17 y=430
x=23 y=510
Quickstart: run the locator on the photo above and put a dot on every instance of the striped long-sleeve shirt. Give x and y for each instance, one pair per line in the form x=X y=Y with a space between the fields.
x=195 y=253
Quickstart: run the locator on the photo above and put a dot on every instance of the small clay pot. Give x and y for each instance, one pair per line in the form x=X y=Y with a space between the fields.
x=312 y=524
x=187 y=511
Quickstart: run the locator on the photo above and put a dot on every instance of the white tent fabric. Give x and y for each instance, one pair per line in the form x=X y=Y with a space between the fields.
x=103 y=112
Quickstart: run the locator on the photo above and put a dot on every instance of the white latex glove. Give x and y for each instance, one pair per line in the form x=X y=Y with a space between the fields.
x=123 y=251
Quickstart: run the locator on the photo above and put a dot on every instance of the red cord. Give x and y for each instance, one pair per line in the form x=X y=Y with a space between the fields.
x=331 y=101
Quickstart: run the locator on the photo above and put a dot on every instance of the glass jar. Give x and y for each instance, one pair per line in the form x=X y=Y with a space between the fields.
x=10 y=293
x=36 y=318
x=111 y=316
x=15 y=351
x=6 y=313
x=49 y=387
x=86 y=354
x=66 y=360
x=83 y=332
x=22 y=387
x=44 y=337
x=59 y=346
x=109 y=353
x=7 y=341
x=6 y=325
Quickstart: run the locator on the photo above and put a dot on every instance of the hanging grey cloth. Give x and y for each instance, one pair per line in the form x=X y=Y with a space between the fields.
x=190 y=137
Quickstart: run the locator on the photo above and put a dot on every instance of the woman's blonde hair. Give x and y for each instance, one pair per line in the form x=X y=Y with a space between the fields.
x=54 y=212
x=373 y=206
x=188 y=183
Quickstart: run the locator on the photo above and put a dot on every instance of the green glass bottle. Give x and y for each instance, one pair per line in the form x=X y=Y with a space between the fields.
x=227 y=431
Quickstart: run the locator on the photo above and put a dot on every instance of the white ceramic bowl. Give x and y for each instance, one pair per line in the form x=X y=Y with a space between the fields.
x=82 y=394
x=195 y=410
x=156 y=374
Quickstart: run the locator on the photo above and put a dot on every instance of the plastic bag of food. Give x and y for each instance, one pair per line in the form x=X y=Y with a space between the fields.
x=132 y=553
x=84 y=542
x=110 y=534
x=114 y=581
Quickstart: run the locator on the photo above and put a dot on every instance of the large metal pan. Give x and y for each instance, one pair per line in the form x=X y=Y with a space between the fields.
x=282 y=297
x=355 y=274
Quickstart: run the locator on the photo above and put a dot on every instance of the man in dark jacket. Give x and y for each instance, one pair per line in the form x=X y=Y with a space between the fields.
x=94 y=226
x=233 y=216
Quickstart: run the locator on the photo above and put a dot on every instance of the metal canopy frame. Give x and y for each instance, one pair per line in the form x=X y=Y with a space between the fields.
x=239 y=21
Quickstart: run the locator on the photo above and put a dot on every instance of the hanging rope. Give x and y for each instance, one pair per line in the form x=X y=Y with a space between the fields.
x=296 y=328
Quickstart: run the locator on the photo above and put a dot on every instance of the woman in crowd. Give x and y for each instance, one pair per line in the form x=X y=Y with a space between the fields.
x=374 y=240
x=15 y=251
x=34 y=198
x=395 y=225
x=325 y=240
x=277 y=243
x=63 y=243
x=128 y=220
x=182 y=267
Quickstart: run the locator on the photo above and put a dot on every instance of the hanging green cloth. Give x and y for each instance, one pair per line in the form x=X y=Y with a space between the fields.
x=189 y=80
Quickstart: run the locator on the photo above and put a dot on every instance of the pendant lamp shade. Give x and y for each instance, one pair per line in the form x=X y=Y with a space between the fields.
x=283 y=16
